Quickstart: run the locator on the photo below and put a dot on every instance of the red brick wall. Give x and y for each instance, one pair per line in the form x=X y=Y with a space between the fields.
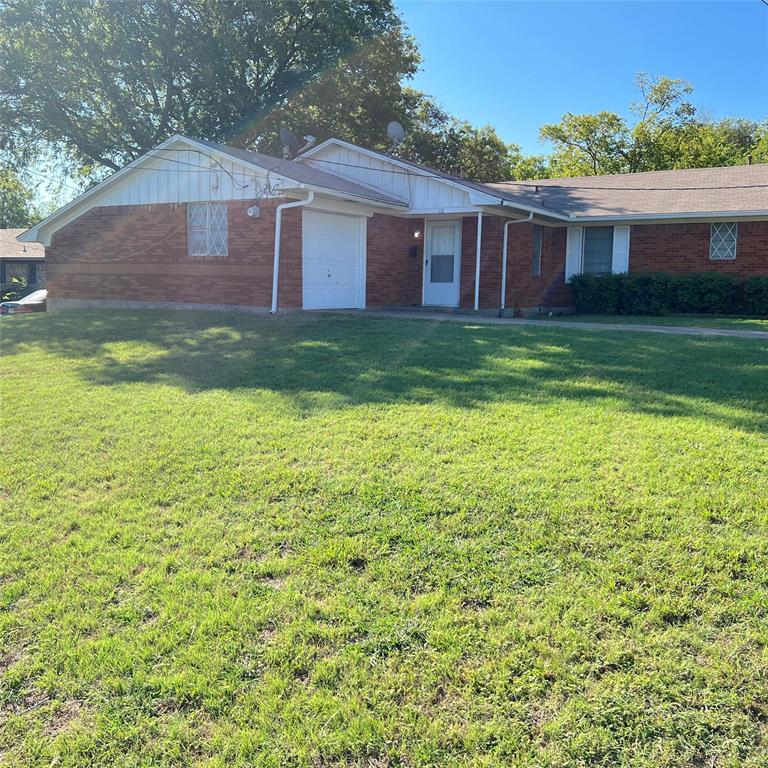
x=490 y=262
x=672 y=248
x=393 y=277
x=139 y=253
x=684 y=248
x=526 y=290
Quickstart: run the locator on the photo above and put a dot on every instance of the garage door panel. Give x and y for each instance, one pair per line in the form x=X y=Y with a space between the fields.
x=332 y=261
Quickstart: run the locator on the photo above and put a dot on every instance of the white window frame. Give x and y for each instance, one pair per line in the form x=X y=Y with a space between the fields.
x=584 y=250
x=212 y=238
x=718 y=234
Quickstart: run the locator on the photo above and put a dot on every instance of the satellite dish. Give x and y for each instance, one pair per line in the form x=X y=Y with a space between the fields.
x=310 y=139
x=289 y=143
x=396 y=133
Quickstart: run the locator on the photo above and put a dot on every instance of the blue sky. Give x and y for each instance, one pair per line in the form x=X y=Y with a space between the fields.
x=517 y=65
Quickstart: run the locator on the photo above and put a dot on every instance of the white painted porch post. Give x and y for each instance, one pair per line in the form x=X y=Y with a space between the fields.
x=477 y=258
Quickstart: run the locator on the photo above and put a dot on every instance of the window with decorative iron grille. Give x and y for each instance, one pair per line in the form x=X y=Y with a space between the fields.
x=722 y=241
x=207 y=229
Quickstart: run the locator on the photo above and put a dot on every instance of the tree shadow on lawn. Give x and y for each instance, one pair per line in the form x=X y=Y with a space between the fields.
x=359 y=360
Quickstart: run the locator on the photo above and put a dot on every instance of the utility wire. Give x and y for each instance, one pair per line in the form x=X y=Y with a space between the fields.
x=63 y=184
x=538 y=185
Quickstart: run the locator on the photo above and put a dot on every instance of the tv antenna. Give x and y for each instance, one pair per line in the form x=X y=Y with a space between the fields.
x=396 y=134
x=289 y=143
x=291 y=146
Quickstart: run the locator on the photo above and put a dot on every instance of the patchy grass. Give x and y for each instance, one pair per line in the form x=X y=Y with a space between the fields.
x=696 y=321
x=346 y=541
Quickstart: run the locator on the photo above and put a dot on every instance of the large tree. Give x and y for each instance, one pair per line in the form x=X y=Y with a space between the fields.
x=105 y=80
x=442 y=141
x=16 y=210
x=666 y=131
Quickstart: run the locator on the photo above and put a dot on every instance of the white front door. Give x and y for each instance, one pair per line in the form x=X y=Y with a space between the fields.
x=442 y=250
x=333 y=255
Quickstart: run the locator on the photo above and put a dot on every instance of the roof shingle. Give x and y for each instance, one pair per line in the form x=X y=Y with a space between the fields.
x=735 y=189
x=11 y=248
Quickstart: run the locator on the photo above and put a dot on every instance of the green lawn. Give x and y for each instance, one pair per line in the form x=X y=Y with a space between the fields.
x=347 y=541
x=700 y=321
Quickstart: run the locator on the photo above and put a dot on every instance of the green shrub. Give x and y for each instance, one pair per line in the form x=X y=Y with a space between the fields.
x=657 y=293
x=708 y=293
x=597 y=295
x=756 y=296
x=646 y=294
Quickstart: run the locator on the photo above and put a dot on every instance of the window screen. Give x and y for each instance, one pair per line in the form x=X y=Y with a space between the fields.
x=441 y=269
x=207 y=229
x=722 y=242
x=16 y=269
x=598 y=250
x=536 y=262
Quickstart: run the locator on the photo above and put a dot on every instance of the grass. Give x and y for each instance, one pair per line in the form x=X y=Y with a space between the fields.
x=701 y=321
x=346 y=541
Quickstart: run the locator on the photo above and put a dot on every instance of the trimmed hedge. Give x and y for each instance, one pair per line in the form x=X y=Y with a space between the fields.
x=657 y=293
x=756 y=296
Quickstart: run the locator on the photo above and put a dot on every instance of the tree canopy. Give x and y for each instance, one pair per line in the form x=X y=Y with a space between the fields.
x=106 y=80
x=667 y=132
x=96 y=83
x=16 y=210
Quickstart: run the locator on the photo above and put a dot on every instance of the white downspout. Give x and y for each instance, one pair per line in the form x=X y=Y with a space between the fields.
x=477 y=258
x=278 y=230
x=504 y=257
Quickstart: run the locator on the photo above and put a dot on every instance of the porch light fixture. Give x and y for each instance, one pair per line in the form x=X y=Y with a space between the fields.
x=417 y=234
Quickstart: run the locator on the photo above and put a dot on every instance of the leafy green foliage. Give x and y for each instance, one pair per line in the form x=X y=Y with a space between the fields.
x=16 y=210
x=668 y=132
x=16 y=288
x=756 y=295
x=332 y=541
x=587 y=145
x=352 y=100
x=595 y=294
x=657 y=293
x=106 y=81
x=441 y=141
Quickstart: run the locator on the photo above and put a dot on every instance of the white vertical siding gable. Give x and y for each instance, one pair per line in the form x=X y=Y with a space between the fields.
x=420 y=190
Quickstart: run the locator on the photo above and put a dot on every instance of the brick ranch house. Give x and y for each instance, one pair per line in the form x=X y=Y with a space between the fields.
x=197 y=224
x=21 y=261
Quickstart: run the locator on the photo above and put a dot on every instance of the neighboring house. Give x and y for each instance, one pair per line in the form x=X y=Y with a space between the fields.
x=21 y=260
x=193 y=223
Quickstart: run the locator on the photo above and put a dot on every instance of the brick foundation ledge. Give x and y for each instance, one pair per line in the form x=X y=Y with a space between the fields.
x=55 y=305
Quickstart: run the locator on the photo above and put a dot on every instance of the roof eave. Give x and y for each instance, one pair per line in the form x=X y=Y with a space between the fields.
x=681 y=215
x=350 y=196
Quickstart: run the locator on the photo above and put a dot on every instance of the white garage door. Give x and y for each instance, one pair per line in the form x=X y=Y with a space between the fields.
x=332 y=261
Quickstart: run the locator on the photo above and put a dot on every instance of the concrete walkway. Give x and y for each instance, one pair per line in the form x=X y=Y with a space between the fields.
x=680 y=330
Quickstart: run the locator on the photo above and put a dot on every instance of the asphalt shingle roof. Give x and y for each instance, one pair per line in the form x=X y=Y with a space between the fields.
x=734 y=189
x=11 y=248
